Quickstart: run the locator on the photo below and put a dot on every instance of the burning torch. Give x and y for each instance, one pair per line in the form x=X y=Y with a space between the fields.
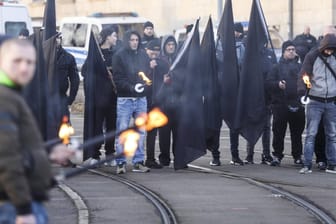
x=305 y=99
x=128 y=138
x=139 y=87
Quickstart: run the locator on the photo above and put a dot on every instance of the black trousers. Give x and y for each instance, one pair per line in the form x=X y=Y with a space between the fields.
x=150 y=145
x=105 y=121
x=296 y=121
x=212 y=142
x=320 y=150
x=166 y=133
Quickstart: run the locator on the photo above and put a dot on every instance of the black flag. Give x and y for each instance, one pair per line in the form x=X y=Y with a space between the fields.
x=36 y=92
x=228 y=65
x=95 y=72
x=49 y=20
x=251 y=109
x=210 y=81
x=190 y=143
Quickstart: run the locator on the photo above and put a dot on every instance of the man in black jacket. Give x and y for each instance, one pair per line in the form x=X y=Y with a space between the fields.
x=285 y=103
x=131 y=94
x=304 y=43
x=66 y=70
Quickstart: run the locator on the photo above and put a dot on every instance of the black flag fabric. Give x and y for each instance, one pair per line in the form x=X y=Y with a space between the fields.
x=227 y=65
x=54 y=102
x=190 y=143
x=94 y=72
x=49 y=20
x=36 y=92
x=212 y=111
x=251 y=109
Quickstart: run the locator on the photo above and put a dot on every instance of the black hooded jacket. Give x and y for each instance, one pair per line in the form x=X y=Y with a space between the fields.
x=287 y=70
x=127 y=63
x=164 y=55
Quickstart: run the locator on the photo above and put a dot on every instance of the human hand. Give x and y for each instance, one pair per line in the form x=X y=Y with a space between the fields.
x=25 y=219
x=282 y=84
x=153 y=64
x=61 y=154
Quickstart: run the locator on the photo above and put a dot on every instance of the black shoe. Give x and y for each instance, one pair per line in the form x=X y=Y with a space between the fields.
x=276 y=161
x=331 y=169
x=266 y=159
x=215 y=162
x=322 y=165
x=153 y=165
x=237 y=162
x=248 y=160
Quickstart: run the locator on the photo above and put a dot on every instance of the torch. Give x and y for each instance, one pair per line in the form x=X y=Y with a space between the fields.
x=139 y=87
x=305 y=99
x=128 y=139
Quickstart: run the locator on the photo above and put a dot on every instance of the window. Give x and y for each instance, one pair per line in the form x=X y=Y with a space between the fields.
x=74 y=34
x=14 y=28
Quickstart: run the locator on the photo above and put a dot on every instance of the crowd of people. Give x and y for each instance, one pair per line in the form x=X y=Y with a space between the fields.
x=121 y=99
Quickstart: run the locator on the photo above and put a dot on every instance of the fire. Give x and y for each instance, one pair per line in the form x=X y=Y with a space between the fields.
x=306 y=81
x=129 y=139
x=143 y=76
x=66 y=130
x=154 y=119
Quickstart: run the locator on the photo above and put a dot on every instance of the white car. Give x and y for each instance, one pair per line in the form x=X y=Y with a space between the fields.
x=13 y=18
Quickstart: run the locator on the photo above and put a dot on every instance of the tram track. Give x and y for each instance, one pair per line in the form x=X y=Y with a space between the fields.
x=165 y=212
x=318 y=212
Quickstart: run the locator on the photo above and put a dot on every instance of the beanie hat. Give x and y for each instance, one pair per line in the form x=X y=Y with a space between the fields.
x=238 y=27
x=287 y=44
x=154 y=45
x=148 y=24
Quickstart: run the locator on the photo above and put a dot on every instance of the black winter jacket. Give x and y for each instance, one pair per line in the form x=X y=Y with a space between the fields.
x=67 y=73
x=287 y=70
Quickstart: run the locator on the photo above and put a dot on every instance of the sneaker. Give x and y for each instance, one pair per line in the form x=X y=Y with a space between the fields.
x=248 y=161
x=276 y=161
x=111 y=163
x=140 y=168
x=266 y=159
x=298 y=161
x=93 y=161
x=121 y=168
x=215 y=162
x=331 y=169
x=322 y=165
x=305 y=170
x=237 y=162
x=153 y=165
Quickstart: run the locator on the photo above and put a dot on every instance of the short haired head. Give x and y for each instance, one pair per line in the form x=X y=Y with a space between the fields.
x=24 y=33
x=18 y=60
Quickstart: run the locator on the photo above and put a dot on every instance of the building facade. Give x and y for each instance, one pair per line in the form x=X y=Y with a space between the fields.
x=168 y=15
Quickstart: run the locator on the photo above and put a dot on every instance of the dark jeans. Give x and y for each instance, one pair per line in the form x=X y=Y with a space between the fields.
x=266 y=139
x=320 y=146
x=150 y=145
x=296 y=120
x=165 y=134
x=212 y=142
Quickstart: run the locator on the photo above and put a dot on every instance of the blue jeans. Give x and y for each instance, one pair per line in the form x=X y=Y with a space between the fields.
x=314 y=113
x=8 y=213
x=126 y=109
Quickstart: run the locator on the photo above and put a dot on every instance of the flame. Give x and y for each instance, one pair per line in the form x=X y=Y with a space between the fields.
x=129 y=139
x=306 y=81
x=154 y=119
x=66 y=130
x=143 y=76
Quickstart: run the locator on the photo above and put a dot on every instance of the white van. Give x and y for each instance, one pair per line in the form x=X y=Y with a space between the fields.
x=76 y=32
x=13 y=18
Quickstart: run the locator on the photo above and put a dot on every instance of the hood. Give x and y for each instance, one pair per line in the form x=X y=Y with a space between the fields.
x=328 y=41
x=127 y=37
x=165 y=40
